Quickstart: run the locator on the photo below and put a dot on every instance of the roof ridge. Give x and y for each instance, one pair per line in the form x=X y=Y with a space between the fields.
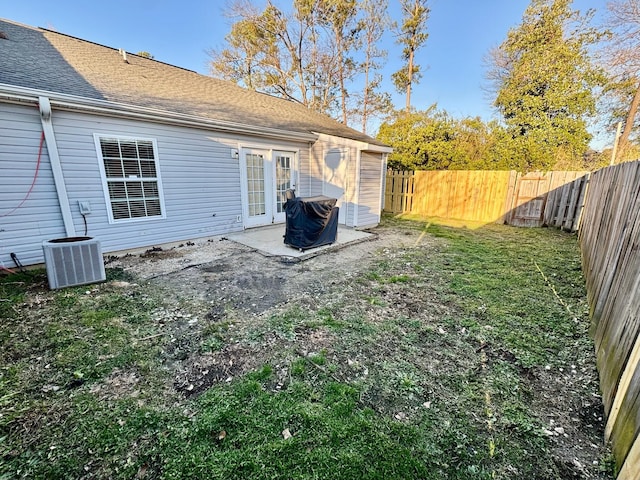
x=267 y=94
x=113 y=48
x=23 y=25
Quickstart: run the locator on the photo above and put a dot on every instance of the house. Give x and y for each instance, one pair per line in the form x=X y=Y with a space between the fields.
x=96 y=141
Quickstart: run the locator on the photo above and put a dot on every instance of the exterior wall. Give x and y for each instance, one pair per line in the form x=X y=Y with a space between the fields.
x=320 y=173
x=369 y=196
x=199 y=172
x=351 y=187
x=200 y=178
x=313 y=175
x=23 y=230
x=362 y=188
x=200 y=181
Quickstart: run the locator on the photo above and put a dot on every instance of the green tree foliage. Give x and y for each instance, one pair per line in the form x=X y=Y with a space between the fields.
x=545 y=81
x=433 y=140
x=412 y=35
x=145 y=55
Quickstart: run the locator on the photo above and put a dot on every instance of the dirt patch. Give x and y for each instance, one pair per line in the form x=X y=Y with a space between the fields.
x=574 y=424
x=228 y=275
x=119 y=384
x=218 y=285
x=205 y=371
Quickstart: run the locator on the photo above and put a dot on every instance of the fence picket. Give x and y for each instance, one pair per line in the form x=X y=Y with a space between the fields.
x=488 y=196
x=610 y=244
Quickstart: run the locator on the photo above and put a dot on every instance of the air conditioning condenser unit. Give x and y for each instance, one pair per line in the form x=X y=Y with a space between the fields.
x=73 y=261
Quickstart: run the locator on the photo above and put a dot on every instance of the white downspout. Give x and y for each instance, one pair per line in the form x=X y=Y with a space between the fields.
x=56 y=168
x=383 y=183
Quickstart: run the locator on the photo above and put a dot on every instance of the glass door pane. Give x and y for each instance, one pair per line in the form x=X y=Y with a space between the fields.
x=255 y=184
x=283 y=179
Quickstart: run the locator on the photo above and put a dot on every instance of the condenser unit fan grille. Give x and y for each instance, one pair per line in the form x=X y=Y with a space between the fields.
x=73 y=261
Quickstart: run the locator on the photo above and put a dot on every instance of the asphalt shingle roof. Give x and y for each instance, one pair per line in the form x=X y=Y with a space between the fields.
x=42 y=59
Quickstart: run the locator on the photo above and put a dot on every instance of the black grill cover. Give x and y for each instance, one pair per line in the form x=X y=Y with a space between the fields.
x=311 y=222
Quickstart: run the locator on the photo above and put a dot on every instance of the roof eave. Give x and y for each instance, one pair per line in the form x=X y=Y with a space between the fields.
x=361 y=145
x=378 y=148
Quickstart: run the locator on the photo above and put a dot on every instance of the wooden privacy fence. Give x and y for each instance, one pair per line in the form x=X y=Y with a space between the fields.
x=535 y=199
x=610 y=244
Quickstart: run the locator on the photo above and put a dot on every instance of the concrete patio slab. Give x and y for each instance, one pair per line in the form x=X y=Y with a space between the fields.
x=269 y=241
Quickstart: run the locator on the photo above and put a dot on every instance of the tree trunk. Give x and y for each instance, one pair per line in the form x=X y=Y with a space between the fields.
x=365 y=99
x=628 y=125
x=409 y=80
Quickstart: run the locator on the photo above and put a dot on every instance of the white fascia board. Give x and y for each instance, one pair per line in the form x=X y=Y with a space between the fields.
x=360 y=145
x=63 y=101
x=378 y=149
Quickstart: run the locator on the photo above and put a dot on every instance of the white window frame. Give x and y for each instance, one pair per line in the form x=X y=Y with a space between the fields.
x=105 y=186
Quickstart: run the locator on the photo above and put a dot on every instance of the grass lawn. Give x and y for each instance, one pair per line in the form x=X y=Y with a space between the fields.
x=458 y=354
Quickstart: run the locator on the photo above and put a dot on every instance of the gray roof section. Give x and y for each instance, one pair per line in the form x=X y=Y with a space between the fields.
x=42 y=59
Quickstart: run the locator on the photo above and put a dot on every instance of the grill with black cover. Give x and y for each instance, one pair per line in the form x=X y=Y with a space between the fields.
x=310 y=221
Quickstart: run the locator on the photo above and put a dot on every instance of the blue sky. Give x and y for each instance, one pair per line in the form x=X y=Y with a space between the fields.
x=461 y=32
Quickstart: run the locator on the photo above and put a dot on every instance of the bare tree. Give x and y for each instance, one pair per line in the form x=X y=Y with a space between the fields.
x=621 y=54
x=305 y=55
x=374 y=24
x=339 y=17
x=267 y=51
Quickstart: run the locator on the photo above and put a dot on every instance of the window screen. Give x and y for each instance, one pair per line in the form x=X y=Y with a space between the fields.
x=130 y=168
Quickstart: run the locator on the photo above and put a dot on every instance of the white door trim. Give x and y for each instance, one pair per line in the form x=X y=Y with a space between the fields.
x=269 y=183
x=266 y=218
x=279 y=217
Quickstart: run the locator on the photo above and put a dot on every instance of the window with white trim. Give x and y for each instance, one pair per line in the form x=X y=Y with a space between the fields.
x=131 y=175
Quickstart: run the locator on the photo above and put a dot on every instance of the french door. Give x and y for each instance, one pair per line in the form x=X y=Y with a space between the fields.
x=267 y=175
x=283 y=164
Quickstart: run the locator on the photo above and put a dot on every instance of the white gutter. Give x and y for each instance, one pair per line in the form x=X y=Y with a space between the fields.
x=56 y=168
x=63 y=101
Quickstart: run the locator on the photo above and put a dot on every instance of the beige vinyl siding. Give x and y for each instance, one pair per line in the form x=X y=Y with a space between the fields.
x=351 y=186
x=369 y=195
x=39 y=218
x=314 y=179
x=362 y=192
x=304 y=174
x=328 y=143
